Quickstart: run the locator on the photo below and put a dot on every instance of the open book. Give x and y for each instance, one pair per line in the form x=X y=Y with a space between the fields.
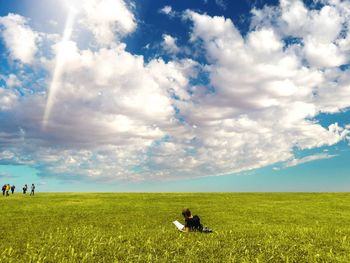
x=179 y=225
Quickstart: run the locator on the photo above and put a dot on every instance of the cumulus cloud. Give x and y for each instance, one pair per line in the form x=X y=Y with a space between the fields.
x=117 y=116
x=118 y=106
x=266 y=89
x=169 y=44
x=19 y=38
x=322 y=33
x=107 y=19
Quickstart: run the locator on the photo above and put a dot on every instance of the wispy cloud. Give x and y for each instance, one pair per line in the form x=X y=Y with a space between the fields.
x=4 y=175
x=167 y=10
x=221 y=3
x=309 y=158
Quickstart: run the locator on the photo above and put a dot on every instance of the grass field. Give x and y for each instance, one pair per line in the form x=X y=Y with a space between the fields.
x=108 y=227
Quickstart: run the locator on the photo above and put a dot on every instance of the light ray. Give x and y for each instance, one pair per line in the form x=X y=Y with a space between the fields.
x=59 y=65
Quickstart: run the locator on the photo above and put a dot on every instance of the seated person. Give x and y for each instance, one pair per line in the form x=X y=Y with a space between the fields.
x=192 y=223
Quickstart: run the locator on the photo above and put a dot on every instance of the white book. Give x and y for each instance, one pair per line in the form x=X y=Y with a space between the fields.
x=179 y=225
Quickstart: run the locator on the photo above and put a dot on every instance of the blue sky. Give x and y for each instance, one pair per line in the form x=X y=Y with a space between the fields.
x=205 y=95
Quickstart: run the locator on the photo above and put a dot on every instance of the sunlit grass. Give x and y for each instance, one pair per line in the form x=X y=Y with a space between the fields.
x=137 y=228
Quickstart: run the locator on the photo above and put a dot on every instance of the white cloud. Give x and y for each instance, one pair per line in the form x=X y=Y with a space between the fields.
x=169 y=44
x=108 y=19
x=8 y=99
x=117 y=116
x=321 y=31
x=12 y=81
x=295 y=15
x=118 y=91
x=117 y=104
x=310 y=158
x=167 y=10
x=318 y=54
x=19 y=38
x=263 y=95
x=264 y=41
x=6 y=155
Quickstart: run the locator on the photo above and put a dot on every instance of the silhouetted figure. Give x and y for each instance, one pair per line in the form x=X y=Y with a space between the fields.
x=3 y=189
x=13 y=189
x=33 y=188
x=25 y=188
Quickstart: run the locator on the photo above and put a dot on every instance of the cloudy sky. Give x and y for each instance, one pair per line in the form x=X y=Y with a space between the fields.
x=203 y=95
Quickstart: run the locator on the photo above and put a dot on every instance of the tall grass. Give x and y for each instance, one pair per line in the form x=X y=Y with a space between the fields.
x=254 y=227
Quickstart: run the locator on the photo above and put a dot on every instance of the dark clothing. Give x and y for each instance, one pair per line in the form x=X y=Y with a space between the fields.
x=12 y=189
x=33 y=188
x=193 y=223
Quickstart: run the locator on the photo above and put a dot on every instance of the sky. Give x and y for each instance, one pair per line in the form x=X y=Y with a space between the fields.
x=164 y=96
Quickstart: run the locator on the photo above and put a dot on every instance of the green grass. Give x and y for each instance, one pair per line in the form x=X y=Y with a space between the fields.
x=108 y=227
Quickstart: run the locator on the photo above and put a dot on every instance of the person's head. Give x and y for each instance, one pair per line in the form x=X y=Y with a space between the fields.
x=186 y=213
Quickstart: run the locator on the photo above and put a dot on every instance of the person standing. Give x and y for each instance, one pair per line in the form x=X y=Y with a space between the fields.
x=7 y=189
x=33 y=188
x=13 y=189
x=3 y=189
x=25 y=188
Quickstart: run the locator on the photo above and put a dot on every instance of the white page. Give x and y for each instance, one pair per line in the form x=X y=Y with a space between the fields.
x=178 y=225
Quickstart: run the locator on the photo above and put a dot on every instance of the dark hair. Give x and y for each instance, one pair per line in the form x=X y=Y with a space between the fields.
x=186 y=212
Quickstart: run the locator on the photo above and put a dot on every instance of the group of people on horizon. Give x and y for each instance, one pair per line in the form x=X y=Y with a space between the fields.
x=25 y=189
x=6 y=189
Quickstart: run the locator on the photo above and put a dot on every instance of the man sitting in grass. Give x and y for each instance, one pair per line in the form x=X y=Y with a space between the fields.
x=192 y=223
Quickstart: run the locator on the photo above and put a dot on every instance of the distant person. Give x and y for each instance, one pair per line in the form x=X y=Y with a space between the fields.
x=8 y=189
x=33 y=188
x=3 y=189
x=25 y=188
x=193 y=223
x=13 y=189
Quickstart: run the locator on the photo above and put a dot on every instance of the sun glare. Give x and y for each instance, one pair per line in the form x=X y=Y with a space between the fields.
x=72 y=7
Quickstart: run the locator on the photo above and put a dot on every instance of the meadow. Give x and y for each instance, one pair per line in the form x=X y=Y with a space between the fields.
x=136 y=227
